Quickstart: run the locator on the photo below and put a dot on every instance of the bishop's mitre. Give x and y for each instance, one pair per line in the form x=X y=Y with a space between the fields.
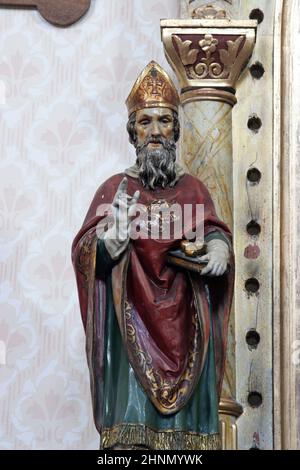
x=153 y=88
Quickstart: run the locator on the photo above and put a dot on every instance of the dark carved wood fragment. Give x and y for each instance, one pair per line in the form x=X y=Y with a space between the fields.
x=57 y=12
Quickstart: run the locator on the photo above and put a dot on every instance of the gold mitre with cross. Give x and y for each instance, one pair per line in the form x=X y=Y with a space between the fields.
x=153 y=88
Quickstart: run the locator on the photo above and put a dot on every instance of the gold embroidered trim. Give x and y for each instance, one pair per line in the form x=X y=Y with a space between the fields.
x=167 y=396
x=139 y=435
x=86 y=257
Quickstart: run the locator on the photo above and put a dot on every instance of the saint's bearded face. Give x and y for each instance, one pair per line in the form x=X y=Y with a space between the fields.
x=155 y=146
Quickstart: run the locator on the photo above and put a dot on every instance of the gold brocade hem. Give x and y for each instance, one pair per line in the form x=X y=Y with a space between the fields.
x=139 y=435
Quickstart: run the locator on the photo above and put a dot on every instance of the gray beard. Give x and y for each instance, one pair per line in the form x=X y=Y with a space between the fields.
x=157 y=167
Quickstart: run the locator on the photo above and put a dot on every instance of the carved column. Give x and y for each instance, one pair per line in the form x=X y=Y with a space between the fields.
x=208 y=53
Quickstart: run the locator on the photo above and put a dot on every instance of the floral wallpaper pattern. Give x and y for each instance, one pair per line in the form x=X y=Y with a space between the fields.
x=63 y=132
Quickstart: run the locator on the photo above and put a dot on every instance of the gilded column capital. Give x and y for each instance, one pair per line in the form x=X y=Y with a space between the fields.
x=208 y=53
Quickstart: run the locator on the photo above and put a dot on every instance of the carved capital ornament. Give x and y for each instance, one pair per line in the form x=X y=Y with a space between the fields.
x=210 y=12
x=208 y=53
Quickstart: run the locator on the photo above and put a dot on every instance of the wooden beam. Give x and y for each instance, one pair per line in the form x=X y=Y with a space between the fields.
x=58 y=12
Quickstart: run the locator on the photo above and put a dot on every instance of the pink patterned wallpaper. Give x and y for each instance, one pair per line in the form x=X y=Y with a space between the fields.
x=62 y=132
